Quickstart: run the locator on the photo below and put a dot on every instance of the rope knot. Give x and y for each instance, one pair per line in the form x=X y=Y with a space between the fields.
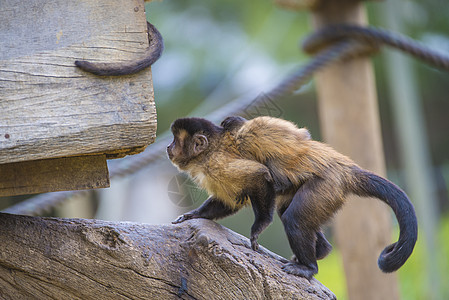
x=361 y=42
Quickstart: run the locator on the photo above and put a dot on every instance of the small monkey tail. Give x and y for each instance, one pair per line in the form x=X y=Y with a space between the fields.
x=396 y=254
x=152 y=54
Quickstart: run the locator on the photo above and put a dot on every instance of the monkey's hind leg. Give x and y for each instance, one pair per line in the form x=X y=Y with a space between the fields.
x=263 y=202
x=303 y=245
x=323 y=247
x=302 y=220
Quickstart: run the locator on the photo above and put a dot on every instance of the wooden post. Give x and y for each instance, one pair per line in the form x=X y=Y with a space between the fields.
x=350 y=123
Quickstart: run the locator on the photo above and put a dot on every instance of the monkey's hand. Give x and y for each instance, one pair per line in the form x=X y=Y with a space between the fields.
x=185 y=217
x=241 y=199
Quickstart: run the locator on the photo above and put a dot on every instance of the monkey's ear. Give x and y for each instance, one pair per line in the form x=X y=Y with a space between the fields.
x=304 y=134
x=200 y=143
x=232 y=122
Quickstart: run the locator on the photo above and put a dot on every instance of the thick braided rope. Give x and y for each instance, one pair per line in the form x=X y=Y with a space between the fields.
x=375 y=37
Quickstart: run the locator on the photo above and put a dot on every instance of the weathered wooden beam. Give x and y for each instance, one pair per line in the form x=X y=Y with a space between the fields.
x=350 y=123
x=58 y=174
x=46 y=258
x=48 y=107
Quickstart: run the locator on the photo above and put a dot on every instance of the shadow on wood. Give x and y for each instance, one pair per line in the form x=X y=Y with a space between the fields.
x=57 y=174
x=91 y=259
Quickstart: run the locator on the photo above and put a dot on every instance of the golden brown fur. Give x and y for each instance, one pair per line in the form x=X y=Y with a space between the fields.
x=225 y=176
x=293 y=158
x=222 y=171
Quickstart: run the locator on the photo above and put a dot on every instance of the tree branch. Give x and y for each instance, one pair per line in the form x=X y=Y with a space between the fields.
x=92 y=259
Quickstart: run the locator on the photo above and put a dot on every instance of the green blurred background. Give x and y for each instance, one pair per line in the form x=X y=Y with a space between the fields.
x=219 y=50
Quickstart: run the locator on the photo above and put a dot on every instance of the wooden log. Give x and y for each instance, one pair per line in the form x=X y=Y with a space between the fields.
x=350 y=123
x=48 y=107
x=58 y=174
x=92 y=259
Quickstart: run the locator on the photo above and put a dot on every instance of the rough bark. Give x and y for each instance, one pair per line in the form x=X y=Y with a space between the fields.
x=91 y=259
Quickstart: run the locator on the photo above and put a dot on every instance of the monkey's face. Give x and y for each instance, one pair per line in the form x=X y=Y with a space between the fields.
x=184 y=148
x=174 y=149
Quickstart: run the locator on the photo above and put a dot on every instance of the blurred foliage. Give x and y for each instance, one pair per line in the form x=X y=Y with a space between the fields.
x=218 y=51
x=331 y=274
x=215 y=53
x=411 y=275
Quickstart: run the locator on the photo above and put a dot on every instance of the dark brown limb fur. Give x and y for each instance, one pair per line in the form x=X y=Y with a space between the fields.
x=211 y=209
x=323 y=247
x=302 y=235
x=262 y=199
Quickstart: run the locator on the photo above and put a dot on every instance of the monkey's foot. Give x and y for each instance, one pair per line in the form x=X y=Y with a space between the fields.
x=254 y=244
x=294 y=268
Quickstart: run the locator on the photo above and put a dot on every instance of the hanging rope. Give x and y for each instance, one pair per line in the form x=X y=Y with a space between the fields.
x=331 y=44
x=374 y=37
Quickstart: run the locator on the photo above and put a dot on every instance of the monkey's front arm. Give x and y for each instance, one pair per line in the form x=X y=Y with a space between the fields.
x=211 y=209
x=214 y=209
x=244 y=179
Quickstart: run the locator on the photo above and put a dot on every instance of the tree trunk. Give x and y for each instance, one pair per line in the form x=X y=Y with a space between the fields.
x=91 y=259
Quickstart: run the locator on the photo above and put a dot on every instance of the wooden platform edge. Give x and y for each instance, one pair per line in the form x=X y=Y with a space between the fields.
x=51 y=175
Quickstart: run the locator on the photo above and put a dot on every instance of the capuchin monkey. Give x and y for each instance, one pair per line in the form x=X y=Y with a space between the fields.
x=152 y=54
x=270 y=163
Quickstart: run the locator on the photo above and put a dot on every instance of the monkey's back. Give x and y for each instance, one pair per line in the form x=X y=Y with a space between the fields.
x=289 y=152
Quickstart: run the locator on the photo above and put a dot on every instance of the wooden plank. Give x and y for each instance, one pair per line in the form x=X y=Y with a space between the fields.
x=50 y=175
x=350 y=123
x=48 y=107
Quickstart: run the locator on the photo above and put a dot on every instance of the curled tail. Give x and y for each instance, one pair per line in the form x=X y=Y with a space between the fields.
x=151 y=55
x=371 y=185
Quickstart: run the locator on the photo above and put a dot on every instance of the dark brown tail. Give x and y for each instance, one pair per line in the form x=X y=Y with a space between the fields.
x=394 y=255
x=152 y=54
